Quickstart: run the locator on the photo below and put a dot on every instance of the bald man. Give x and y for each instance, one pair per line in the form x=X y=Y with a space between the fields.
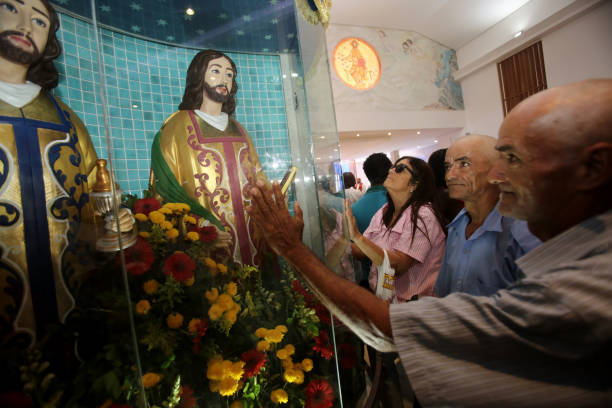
x=482 y=244
x=544 y=340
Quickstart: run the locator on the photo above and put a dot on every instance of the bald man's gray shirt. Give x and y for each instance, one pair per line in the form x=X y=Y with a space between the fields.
x=543 y=341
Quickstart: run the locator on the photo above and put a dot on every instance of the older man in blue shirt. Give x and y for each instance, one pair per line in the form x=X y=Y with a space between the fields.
x=482 y=244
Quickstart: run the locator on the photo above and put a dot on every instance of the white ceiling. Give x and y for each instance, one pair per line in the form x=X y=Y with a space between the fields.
x=452 y=23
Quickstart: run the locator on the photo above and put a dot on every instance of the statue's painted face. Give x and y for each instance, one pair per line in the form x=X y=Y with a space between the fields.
x=219 y=79
x=24 y=30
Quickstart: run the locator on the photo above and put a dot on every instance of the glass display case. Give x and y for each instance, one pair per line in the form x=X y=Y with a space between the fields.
x=151 y=286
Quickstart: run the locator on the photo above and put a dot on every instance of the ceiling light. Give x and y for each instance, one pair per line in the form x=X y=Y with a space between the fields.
x=357 y=134
x=435 y=140
x=134 y=106
x=518 y=34
x=418 y=132
x=190 y=11
x=389 y=133
x=322 y=137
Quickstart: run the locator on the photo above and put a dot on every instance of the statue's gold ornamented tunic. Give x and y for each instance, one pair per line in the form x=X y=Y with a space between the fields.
x=46 y=157
x=217 y=169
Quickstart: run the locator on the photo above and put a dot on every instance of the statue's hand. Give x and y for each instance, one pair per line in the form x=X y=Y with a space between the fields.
x=224 y=239
x=126 y=221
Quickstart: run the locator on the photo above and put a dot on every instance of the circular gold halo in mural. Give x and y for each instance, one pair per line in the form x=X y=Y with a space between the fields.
x=356 y=63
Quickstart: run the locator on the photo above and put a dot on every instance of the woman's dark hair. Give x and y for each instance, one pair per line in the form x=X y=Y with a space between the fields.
x=376 y=168
x=436 y=162
x=43 y=72
x=194 y=84
x=424 y=194
x=348 y=179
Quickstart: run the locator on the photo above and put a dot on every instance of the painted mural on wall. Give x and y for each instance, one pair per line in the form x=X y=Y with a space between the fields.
x=416 y=73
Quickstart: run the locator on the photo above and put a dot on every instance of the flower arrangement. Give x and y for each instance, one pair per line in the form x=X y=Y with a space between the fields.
x=209 y=332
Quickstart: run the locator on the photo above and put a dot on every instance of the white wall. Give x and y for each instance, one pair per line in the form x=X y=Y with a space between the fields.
x=579 y=49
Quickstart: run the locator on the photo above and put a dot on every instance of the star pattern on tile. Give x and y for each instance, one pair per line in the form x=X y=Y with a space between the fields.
x=274 y=21
x=268 y=37
x=135 y=28
x=135 y=6
x=247 y=17
x=162 y=22
x=105 y=8
x=200 y=31
x=239 y=32
x=170 y=38
x=223 y=16
x=290 y=35
x=187 y=17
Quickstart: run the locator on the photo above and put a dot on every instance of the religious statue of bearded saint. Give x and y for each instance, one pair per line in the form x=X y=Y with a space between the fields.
x=203 y=157
x=47 y=161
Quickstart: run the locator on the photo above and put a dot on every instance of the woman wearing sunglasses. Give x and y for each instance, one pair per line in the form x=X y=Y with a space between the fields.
x=409 y=227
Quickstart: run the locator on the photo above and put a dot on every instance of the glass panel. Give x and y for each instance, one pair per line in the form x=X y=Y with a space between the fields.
x=185 y=314
x=63 y=301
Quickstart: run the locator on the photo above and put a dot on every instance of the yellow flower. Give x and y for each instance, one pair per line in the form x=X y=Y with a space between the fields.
x=143 y=306
x=144 y=234
x=214 y=370
x=150 y=287
x=182 y=207
x=150 y=380
x=231 y=289
x=299 y=377
x=236 y=404
x=171 y=234
x=141 y=217
x=212 y=295
x=279 y=396
x=215 y=312
x=189 y=219
x=291 y=375
x=281 y=328
x=288 y=363
x=193 y=325
x=307 y=364
x=263 y=345
x=225 y=302
x=190 y=281
x=228 y=386
x=282 y=354
x=210 y=263
x=174 y=320
x=166 y=225
x=169 y=206
x=157 y=217
x=165 y=210
x=193 y=236
x=261 y=332
x=222 y=268
x=235 y=308
x=231 y=316
x=290 y=349
x=274 y=336
x=236 y=370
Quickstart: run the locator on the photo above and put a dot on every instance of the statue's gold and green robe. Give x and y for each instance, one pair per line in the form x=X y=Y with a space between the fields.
x=212 y=171
x=46 y=158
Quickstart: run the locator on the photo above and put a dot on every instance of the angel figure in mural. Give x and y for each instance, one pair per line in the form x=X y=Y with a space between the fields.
x=203 y=157
x=47 y=160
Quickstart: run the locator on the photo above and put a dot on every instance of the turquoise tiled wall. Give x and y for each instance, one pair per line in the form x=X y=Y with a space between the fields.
x=144 y=85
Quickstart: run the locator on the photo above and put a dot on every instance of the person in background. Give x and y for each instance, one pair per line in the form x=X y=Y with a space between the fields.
x=350 y=192
x=408 y=227
x=544 y=340
x=482 y=245
x=450 y=207
x=376 y=168
x=359 y=184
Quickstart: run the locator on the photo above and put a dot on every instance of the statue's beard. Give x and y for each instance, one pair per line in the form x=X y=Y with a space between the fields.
x=214 y=95
x=15 y=54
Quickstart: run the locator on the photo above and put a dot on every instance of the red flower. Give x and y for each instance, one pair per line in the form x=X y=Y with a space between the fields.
x=201 y=331
x=180 y=266
x=323 y=346
x=322 y=314
x=207 y=234
x=254 y=361
x=146 y=205
x=138 y=258
x=187 y=398
x=297 y=286
x=319 y=394
x=347 y=355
